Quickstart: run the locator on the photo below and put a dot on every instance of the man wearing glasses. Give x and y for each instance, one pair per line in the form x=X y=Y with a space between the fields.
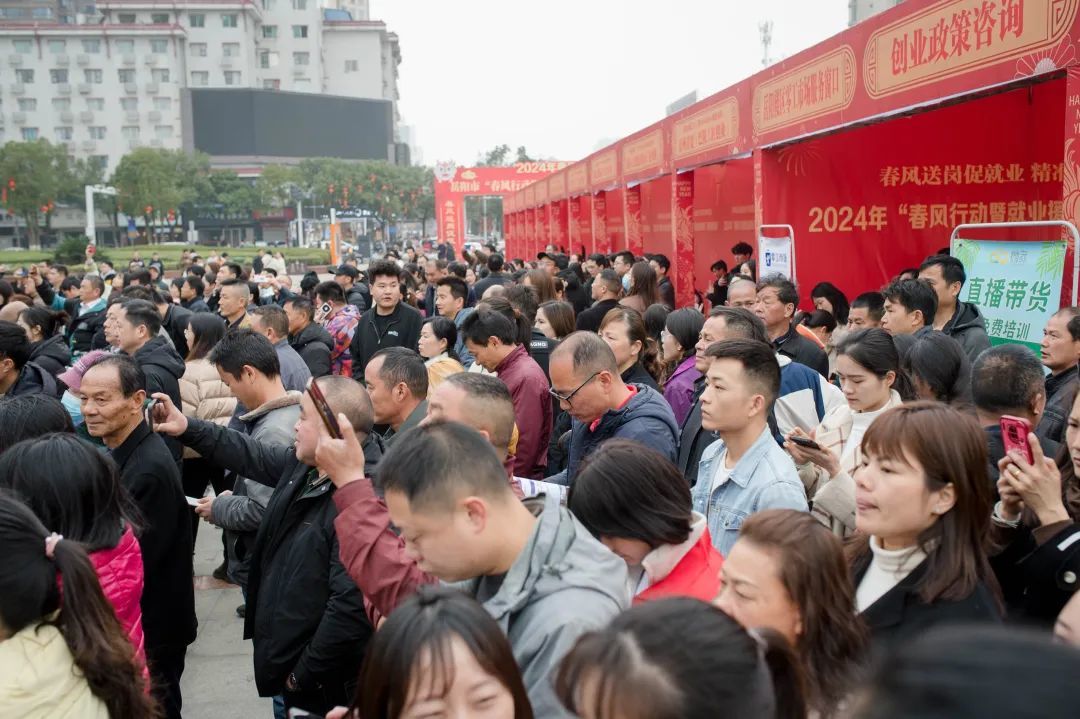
x=585 y=382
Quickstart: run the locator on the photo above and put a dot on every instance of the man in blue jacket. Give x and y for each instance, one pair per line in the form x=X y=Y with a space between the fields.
x=586 y=383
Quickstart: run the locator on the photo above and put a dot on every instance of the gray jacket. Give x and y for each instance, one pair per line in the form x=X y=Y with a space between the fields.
x=563 y=584
x=241 y=513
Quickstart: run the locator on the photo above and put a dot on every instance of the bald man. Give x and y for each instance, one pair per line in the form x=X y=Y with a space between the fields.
x=11 y=311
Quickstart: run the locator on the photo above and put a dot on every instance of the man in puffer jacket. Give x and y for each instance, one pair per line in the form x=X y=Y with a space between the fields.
x=585 y=380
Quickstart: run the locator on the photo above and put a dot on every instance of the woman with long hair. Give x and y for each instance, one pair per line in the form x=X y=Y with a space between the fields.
x=786 y=572
x=655 y=318
x=644 y=516
x=678 y=342
x=440 y=653
x=872 y=381
x=63 y=652
x=542 y=283
x=923 y=513
x=680 y=658
x=940 y=370
x=204 y=396
x=555 y=320
x=47 y=347
x=86 y=504
x=635 y=352
x=828 y=297
x=644 y=289
x=438 y=336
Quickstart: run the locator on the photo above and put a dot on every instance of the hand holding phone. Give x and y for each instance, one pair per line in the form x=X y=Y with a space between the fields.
x=804 y=442
x=323 y=408
x=1014 y=436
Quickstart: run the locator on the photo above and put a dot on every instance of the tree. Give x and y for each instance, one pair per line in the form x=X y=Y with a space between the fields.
x=152 y=182
x=523 y=155
x=497 y=156
x=230 y=195
x=34 y=175
x=274 y=187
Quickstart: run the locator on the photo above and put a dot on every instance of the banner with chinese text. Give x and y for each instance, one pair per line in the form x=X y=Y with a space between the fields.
x=1016 y=286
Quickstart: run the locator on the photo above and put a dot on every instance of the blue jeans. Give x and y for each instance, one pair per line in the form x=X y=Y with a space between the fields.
x=279 y=707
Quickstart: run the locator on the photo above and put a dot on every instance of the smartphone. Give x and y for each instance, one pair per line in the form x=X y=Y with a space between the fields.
x=192 y=502
x=804 y=442
x=323 y=408
x=1014 y=435
x=325 y=309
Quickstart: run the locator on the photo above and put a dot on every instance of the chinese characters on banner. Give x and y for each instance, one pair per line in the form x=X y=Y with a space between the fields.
x=1016 y=286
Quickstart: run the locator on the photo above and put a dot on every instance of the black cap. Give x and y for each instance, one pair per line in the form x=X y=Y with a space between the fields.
x=561 y=261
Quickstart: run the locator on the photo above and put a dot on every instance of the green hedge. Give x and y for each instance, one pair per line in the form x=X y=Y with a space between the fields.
x=71 y=251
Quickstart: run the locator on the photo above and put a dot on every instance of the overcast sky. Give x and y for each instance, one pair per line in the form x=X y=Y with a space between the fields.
x=566 y=77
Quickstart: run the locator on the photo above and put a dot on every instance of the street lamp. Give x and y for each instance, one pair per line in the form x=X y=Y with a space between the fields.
x=91 y=231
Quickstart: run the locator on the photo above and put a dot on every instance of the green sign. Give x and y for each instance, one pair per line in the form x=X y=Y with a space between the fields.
x=1016 y=286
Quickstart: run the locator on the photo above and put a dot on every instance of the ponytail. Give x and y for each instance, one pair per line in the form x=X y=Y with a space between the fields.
x=785 y=672
x=650 y=359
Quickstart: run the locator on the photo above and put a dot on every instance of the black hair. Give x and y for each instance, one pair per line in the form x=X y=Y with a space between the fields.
x=445 y=329
x=236 y=270
x=741 y=322
x=69 y=283
x=655 y=318
x=29 y=416
x=685 y=326
x=819 y=318
x=872 y=302
x=457 y=269
x=196 y=271
x=952 y=269
x=485 y=323
x=959 y=673
x=132 y=379
x=785 y=289
x=384 y=268
x=873 y=349
x=138 y=292
x=196 y=284
x=651 y=504
x=401 y=364
x=272 y=317
x=661 y=260
x=758 y=360
x=939 y=362
x=208 y=329
x=680 y=658
x=525 y=301
x=30 y=594
x=495 y=262
x=330 y=291
x=836 y=298
x=560 y=315
x=245 y=347
x=600 y=259
x=140 y=276
x=720 y=265
x=302 y=303
x=626 y=255
x=913 y=295
x=610 y=280
x=742 y=248
x=85 y=502
x=428 y=463
x=143 y=313
x=14 y=344
x=43 y=318
x=458 y=288
x=1005 y=379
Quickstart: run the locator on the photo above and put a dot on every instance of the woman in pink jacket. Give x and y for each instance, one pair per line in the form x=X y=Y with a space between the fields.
x=75 y=491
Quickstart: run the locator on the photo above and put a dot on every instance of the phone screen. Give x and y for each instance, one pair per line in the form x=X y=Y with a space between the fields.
x=323 y=407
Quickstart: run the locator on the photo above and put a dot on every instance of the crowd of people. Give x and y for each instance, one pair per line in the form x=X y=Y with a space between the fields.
x=508 y=488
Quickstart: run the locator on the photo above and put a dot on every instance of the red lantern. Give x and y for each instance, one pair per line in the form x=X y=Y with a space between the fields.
x=330 y=189
x=148 y=210
x=11 y=183
x=172 y=216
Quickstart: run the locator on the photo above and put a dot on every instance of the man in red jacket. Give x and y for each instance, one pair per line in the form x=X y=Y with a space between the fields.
x=492 y=339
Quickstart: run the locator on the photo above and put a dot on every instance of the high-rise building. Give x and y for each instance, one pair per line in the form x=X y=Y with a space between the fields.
x=862 y=9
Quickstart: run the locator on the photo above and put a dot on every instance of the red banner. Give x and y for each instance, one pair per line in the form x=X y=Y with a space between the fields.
x=601 y=238
x=615 y=214
x=683 y=233
x=632 y=213
x=723 y=214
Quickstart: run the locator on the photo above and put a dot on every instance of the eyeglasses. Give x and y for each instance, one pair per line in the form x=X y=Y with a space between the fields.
x=568 y=397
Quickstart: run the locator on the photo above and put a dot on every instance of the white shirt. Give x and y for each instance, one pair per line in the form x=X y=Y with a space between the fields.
x=860 y=422
x=722 y=473
x=887 y=569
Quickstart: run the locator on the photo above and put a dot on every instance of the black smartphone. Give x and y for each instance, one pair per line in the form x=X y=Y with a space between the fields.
x=323 y=408
x=804 y=442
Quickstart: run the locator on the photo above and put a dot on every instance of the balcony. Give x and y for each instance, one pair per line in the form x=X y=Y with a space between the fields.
x=88 y=145
x=64 y=89
x=82 y=59
x=15 y=60
x=154 y=116
x=85 y=88
x=131 y=116
x=18 y=89
x=131 y=88
x=18 y=118
x=151 y=88
x=127 y=60
x=86 y=116
x=67 y=116
x=62 y=60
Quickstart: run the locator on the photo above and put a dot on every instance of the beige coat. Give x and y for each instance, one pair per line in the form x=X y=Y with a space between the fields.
x=205 y=396
x=834 y=497
x=39 y=679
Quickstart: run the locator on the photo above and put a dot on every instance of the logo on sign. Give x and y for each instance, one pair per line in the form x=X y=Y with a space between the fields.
x=445 y=171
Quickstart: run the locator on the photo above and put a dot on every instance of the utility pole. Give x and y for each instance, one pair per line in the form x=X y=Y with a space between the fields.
x=765 y=28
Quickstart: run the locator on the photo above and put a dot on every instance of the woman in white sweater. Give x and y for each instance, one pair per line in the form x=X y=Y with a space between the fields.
x=869 y=369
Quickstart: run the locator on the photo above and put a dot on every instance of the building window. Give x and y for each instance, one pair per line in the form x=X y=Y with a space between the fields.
x=232 y=77
x=352 y=66
x=63 y=134
x=58 y=77
x=159 y=46
x=125 y=47
x=299 y=31
x=92 y=47
x=41 y=13
x=163 y=103
x=61 y=104
x=198 y=49
x=159 y=18
x=126 y=75
x=29 y=134
x=93 y=76
x=159 y=74
x=97 y=133
x=200 y=79
x=299 y=4
x=95 y=103
x=27 y=104
x=163 y=132
x=301 y=58
x=269 y=32
x=129 y=104
x=57 y=47
x=23 y=47
x=268 y=59
x=196 y=19
x=24 y=76
x=230 y=49
x=268 y=4
x=271 y=84
x=126 y=18
x=130 y=132
x=98 y=161
x=229 y=20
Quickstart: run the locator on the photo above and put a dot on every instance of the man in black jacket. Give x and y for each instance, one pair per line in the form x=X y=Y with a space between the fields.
x=389 y=323
x=18 y=375
x=310 y=340
x=356 y=292
x=174 y=319
x=112 y=404
x=496 y=276
x=662 y=265
x=191 y=294
x=606 y=289
x=777 y=300
x=87 y=311
x=304 y=614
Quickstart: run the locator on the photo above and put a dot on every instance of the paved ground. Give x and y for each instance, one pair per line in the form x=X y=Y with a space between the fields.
x=218 y=679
